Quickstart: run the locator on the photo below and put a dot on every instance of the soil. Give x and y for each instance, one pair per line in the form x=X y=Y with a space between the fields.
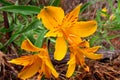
x=107 y=68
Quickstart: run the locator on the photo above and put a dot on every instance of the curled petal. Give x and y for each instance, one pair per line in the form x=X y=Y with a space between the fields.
x=60 y=48
x=72 y=65
x=28 y=46
x=93 y=49
x=24 y=60
x=30 y=70
x=51 y=68
x=39 y=77
x=86 y=68
x=51 y=16
x=81 y=61
x=80 y=57
x=46 y=70
x=47 y=66
x=92 y=55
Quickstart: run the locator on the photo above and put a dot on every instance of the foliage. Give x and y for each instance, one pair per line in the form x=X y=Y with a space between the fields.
x=106 y=24
x=22 y=24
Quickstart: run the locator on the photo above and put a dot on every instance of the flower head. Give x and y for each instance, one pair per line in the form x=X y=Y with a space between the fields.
x=78 y=54
x=104 y=11
x=65 y=27
x=34 y=63
x=112 y=17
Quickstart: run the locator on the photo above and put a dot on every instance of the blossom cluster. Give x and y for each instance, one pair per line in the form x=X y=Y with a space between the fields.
x=69 y=34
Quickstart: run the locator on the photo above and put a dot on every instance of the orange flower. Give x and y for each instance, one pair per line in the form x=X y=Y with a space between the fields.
x=65 y=28
x=34 y=63
x=77 y=55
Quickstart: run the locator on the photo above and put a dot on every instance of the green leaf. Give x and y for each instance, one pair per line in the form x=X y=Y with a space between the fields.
x=118 y=4
x=26 y=10
x=19 y=41
x=51 y=2
x=40 y=38
x=52 y=40
x=18 y=29
x=93 y=39
x=113 y=36
x=56 y=3
x=85 y=6
x=1 y=45
x=30 y=35
x=115 y=28
x=5 y=2
x=12 y=38
x=35 y=24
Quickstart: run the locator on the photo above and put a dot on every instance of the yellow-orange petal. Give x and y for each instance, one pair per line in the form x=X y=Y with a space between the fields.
x=51 y=68
x=92 y=55
x=24 y=60
x=73 y=15
x=51 y=16
x=71 y=66
x=54 y=33
x=46 y=71
x=84 y=44
x=30 y=70
x=27 y=45
x=87 y=44
x=84 y=28
x=86 y=68
x=39 y=77
x=80 y=57
x=60 y=48
x=81 y=61
x=73 y=39
x=93 y=49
